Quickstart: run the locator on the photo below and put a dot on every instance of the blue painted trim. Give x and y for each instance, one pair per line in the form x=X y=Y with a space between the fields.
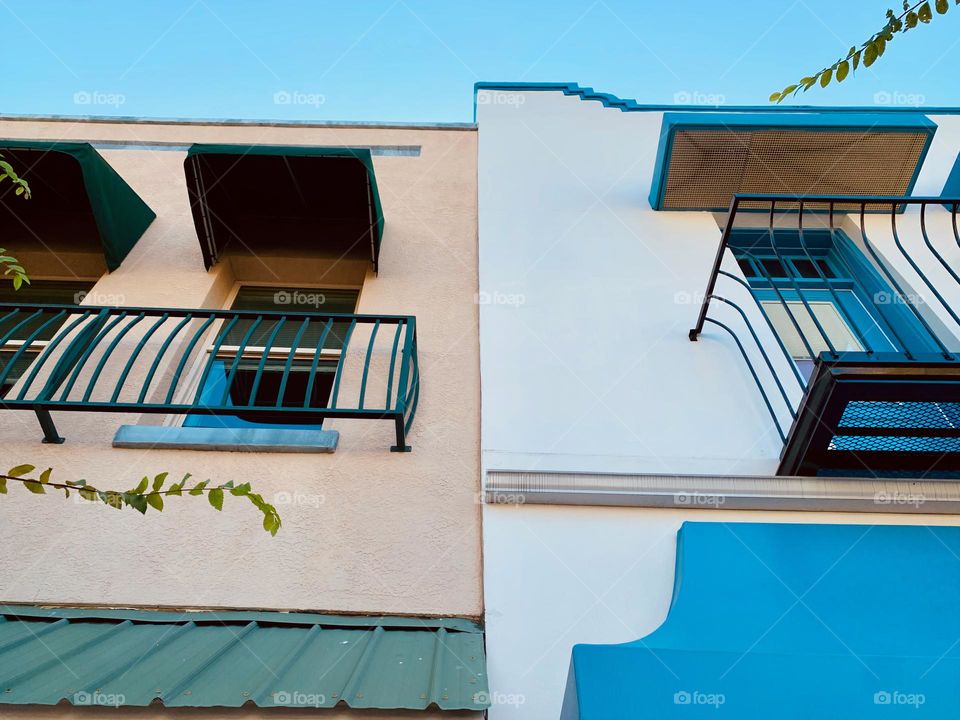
x=235 y=439
x=849 y=121
x=951 y=188
x=628 y=105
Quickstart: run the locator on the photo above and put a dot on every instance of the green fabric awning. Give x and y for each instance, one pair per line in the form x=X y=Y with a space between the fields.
x=271 y=197
x=78 y=200
x=133 y=658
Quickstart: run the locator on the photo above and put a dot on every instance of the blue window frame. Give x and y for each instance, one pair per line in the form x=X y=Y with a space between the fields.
x=832 y=292
x=273 y=299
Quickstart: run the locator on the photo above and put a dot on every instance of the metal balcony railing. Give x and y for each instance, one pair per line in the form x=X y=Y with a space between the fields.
x=893 y=385
x=271 y=367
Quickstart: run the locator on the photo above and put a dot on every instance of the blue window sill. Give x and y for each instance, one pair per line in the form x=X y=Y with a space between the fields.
x=269 y=439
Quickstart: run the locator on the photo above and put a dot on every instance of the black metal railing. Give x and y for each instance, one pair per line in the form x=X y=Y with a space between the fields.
x=273 y=367
x=934 y=322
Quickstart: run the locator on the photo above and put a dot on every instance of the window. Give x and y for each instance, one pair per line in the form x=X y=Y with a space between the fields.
x=39 y=292
x=825 y=287
x=254 y=337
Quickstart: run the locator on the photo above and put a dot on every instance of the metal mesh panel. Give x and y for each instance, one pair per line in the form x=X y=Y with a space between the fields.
x=893 y=444
x=707 y=167
x=914 y=415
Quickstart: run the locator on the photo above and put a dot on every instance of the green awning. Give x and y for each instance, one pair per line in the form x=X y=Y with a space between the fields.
x=228 y=659
x=78 y=201
x=262 y=198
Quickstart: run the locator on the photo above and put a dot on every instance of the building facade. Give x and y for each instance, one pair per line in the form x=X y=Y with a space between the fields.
x=719 y=441
x=279 y=305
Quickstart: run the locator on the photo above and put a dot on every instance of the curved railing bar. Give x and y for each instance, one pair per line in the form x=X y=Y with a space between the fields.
x=51 y=346
x=316 y=360
x=753 y=372
x=107 y=353
x=244 y=341
x=289 y=363
x=763 y=353
x=136 y=354
x=773 y=330
x=156 y=360
x=895 y=284
x=335 y=394
x=940 y=259
x=393 y=363
x=26 y=344
x=9 y=334
x=263 y=362
x=88 y=352
x=366 y=363
x=861 y=338
x=414 y=390
x=796 y=287
x=783 y=301
x=175 y=379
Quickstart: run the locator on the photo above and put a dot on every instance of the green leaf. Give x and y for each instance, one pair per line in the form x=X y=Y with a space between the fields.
x=155 y=501
x=142 y=487
x=88 y=494
x=881 y=44
x=843 y=70
x=870 y=55
x=825 y=77
x=35 y=487
x=240 y=490
x=911 y=20
x=943 y=6
x=45 y=476
x=271 y=523
x=139 y=503
x=175 y=489
x=925 y=14
x=216 y=498
x=856 y=61
x=775 y=97
x=158 y=480
x=198 y=488
x=3 y=486
x=20 y=470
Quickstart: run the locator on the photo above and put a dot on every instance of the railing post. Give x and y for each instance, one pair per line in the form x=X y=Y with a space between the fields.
x=712 y=283
x=401 y=445
x=50 y=434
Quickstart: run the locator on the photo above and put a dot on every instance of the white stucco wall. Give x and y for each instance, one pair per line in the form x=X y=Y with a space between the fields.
x=586 y=364
x=368 y=530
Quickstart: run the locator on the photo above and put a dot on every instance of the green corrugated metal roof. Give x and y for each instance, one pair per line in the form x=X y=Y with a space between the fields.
x=228 y=659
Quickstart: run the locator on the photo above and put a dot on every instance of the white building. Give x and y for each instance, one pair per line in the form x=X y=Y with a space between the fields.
x=604 y=428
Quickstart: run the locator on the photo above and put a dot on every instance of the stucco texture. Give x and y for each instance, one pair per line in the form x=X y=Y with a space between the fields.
x=364 y=529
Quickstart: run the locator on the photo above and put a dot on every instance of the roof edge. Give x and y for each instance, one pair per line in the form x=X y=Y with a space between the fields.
x=238 y=122
x=629 y=105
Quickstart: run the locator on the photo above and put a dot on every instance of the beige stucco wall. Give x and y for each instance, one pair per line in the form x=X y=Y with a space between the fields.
x=370 y=530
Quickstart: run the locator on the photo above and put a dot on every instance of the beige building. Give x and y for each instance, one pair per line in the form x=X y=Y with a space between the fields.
x=303 y=301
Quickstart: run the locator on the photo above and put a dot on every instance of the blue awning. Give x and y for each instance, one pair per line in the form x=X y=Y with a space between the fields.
x=790 y=621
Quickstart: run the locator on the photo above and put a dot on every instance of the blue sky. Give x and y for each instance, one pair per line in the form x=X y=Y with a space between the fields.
x=417 y=60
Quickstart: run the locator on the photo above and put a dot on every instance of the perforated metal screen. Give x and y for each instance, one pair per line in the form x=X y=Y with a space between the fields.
x=706 y=167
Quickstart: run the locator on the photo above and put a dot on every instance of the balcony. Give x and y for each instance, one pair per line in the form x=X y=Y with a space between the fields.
x=844 y=310
x=276 y=368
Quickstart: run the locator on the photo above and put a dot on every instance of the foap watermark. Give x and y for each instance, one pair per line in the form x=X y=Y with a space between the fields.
x=95 y=297
x=99 y=699
x=891 y=298
x=899 y=498
x=492 y=697
x=299 y=297
x=697 y=97
x=299 y=498
x=896 y=697
x=496 y=97
x=685 y=297
x=698 y=499
x=697 y=697
x=499 y=298
x=99 y=97
x=497 y=497
x=298 y=97
x=896 y=97
x=296 y=698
